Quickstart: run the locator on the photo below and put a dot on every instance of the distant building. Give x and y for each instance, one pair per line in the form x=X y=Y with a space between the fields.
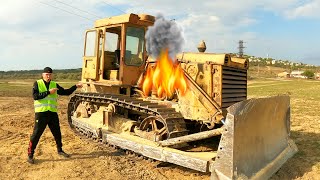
x=284 y=75
x=297 y=74
x=317 y=76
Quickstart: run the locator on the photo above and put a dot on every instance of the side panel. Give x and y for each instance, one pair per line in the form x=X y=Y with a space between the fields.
x=130 y=74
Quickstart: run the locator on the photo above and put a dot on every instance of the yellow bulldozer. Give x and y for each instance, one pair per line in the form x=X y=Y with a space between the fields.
x=191 y=109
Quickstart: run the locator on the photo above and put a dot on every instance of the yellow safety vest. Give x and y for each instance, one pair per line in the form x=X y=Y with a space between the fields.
x=49 y=103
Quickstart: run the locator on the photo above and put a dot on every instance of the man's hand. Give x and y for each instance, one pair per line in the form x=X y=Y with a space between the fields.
x=53 y=90
x=79 y=85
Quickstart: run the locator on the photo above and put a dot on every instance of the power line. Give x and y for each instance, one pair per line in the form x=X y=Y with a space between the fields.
x=66 y=11
x=78 y=9
x=113 y=7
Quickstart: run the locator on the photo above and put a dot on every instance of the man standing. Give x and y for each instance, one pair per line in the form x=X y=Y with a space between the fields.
x=45 y=94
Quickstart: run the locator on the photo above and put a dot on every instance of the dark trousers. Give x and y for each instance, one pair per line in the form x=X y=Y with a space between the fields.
x=43 y=119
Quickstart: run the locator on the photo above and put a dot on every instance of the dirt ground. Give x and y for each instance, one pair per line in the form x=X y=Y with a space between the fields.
x=91 y=161
x=88 y=160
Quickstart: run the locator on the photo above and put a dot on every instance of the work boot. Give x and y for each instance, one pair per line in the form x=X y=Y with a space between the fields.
x=30 y=159
x=62 y=153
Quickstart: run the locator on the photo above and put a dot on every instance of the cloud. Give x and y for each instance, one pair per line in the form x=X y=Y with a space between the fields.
x=222 y=23
x=308 y=10
x=35 y=33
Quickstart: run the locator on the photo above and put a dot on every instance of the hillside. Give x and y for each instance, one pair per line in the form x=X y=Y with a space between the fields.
x=265 y=71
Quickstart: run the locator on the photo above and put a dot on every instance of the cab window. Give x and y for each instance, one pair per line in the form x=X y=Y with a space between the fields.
x=90 y=43
x=134 y=46
x=111 y=41
x=111 y=53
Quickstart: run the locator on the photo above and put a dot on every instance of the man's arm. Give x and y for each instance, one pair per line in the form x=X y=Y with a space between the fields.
x=36 y=94
x=62 y=91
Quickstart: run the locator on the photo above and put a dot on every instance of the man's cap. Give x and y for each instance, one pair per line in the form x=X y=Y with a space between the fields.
x=47 y=70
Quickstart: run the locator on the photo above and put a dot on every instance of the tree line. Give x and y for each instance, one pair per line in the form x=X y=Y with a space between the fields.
x=59 y=74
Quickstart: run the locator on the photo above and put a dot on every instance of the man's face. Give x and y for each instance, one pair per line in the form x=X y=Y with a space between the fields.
x=47 y=76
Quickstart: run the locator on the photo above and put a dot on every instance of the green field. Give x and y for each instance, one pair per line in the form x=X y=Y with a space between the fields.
x=305 y=94
x=12 y=88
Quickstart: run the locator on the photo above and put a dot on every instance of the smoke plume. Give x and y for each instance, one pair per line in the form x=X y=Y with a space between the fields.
x=164 y=34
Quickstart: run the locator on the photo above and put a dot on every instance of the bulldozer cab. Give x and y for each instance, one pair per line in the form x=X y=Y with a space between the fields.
x=115 y=51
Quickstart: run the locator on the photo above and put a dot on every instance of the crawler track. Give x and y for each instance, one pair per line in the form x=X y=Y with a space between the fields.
x=173 y=120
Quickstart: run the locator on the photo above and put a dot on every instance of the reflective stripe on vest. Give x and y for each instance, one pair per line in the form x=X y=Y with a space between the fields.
x=49 y=103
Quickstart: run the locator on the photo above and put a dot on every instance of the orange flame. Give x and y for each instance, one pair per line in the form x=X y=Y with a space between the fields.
x=165 y=77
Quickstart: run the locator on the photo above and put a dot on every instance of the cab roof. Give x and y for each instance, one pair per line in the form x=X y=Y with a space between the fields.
x=140 y=19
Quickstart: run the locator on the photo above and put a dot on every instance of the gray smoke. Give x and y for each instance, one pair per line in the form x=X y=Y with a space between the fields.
x=164 y=34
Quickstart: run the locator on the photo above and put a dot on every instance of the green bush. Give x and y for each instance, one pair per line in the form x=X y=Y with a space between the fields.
x=309 y=74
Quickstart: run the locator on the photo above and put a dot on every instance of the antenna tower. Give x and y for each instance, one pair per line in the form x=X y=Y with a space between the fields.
x=241 y=47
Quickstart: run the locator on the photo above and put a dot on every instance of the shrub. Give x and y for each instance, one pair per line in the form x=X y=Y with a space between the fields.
x=309 y=74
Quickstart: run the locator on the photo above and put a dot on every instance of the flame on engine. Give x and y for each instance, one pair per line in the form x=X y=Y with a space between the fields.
x=165 y=77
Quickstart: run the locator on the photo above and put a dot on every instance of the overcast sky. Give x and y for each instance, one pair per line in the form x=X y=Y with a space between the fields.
x=39 y=33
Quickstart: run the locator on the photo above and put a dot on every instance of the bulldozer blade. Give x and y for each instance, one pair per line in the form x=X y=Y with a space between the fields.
x=256 y=141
